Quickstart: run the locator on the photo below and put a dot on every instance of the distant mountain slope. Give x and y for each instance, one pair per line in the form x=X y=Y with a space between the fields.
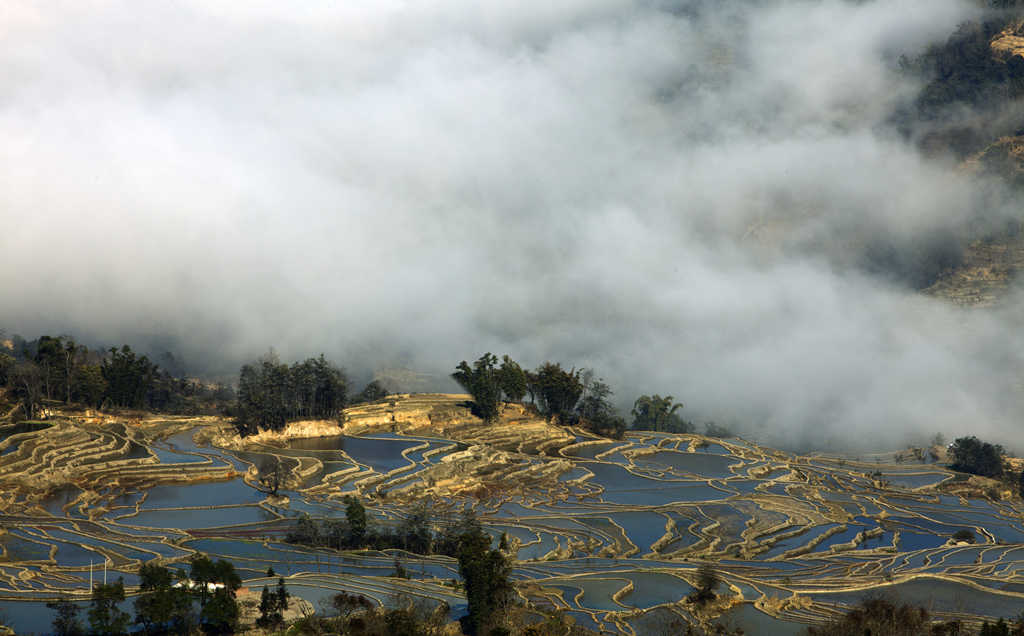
x=985 y=273
x=989 y=264
x=973 y=109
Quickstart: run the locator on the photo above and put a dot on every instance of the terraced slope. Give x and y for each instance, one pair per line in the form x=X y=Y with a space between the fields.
x=613 y=532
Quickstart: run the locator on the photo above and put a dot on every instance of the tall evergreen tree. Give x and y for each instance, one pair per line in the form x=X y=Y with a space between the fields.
x=281 y=595
x=355 y=514
x=270 y=393
x=485 y=576
x=270 y=613
x=512 y=380
x=129 y=377
x=482 y=382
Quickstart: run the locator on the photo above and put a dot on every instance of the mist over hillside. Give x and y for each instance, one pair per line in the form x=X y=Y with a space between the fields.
x=710 y=199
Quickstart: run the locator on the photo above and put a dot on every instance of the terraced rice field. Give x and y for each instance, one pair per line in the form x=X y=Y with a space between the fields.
x=610 y=531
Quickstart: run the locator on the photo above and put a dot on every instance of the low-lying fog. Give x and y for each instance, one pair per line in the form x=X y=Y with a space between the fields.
x=687 y=196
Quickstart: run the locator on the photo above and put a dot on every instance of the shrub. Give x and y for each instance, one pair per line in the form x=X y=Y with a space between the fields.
x=964 y=535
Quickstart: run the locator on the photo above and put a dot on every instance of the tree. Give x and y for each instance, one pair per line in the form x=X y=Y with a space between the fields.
x=971 y=455
x=999 y=628
x=220 y=614
x=345 y=603
x=414 y=531
x=270 y=616
x=160 y=607
x=512 y=380
x=270 y=394
x=372 y=392
x=398 y=570
x=556 y=391
x=49 y=356
x=66 y=622
x=656 y=413
x=224 y=573
x=355 y=514
x=219 y=610
x=105 y=617
x=281 y=595
x=6 y=364
x=306 y=531
x=966 y=535
x=129 y=378
x=595 y=410
x=880 y=616
x=72 y=356
x=202 y=574
x=26 y=381
x=272 y=474
x=482 y=383
x=89 y=385
x=485 y=576
x=707 y=581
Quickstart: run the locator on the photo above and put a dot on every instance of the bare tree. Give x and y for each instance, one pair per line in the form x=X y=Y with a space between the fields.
x=26 y=379
x=73 y=355
x=272 y=474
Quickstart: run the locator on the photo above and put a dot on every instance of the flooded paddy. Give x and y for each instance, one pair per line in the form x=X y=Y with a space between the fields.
x=612 y=531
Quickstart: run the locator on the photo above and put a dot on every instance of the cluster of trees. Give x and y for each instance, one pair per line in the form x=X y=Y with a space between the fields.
x=572 y=397
x=59 y=369
x=1002 y=628
x=355 y=531
x=971 y=455
x=168 y=602
x=883 y=616
x=656 y=413
x=489 y=383
x=356 y=614
x=886 y=617
x=272 y=393
x=484 y=570
x=372 y=392
x=272 y=605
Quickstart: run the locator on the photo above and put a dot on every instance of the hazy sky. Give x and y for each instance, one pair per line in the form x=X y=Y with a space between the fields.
x=674 y=193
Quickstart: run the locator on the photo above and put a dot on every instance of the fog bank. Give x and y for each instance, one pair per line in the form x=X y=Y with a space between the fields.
x=681 y=195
